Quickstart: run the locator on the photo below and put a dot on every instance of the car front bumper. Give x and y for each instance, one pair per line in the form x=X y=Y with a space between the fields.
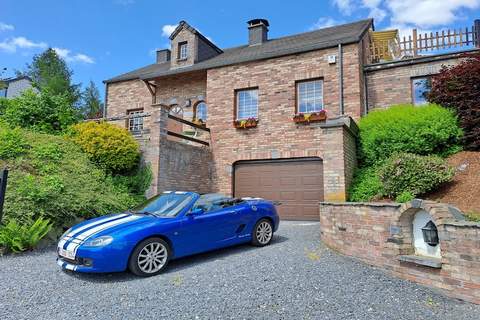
x=111 y=258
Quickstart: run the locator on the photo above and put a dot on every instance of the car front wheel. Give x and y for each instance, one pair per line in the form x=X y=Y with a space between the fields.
x=150 y=257
x=262 y=233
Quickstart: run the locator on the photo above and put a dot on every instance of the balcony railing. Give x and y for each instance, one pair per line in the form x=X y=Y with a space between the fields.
x=418 y=44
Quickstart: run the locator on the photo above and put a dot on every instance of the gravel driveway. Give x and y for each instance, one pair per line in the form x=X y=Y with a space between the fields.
x=295 y=277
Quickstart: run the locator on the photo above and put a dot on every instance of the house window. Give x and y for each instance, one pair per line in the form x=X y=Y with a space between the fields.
x=201 y=111
x=135 y=124
x=309 y=96
x=247 y=104
x=182 y=50
x=420 y=88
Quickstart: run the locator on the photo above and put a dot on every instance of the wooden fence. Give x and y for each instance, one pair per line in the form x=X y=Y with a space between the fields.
x=416 y=43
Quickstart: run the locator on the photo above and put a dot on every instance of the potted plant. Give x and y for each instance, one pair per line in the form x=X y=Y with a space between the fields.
x=306 y=118
x=199 y=122
x=245 y=123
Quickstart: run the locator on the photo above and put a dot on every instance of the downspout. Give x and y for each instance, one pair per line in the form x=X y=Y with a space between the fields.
x=105 y=101
x=340 y=78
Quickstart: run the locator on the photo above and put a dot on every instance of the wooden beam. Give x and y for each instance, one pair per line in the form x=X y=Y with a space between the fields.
x=188 y=123
x=182 y=136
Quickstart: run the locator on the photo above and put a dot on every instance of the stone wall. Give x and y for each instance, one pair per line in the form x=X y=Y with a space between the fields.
x=175 y=164
x=381 y=234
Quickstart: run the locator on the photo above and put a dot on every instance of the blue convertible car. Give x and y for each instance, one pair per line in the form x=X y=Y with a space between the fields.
x=171 y=225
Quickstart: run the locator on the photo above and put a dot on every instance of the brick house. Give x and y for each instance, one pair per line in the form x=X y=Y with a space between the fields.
x=260 y=102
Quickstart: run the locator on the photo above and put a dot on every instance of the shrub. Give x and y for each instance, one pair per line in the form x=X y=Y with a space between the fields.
x=458 y=87
x=423 y=130
x=40 y=111
x=366 y=185
x=21 y=237
x=135 y=183
x=110 y=146
x=414 y=174
x=405 y=197
x=54 y=179
x=12 y=143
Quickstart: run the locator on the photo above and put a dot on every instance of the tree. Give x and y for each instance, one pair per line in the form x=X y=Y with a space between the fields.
x=50 y=72
x=458 y=88
x=92 y=105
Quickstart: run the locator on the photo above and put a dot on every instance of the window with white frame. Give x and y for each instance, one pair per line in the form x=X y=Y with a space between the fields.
x=201 y=111
x=247 y=104
x=135 y=123
x=182 y=50
x=310 y=96
x=420 y=88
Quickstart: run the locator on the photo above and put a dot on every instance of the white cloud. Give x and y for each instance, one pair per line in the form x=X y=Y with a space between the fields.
x=168 y=29
x=324 y=22
x=11 y=45
x=345 y=6
x=428 y=13
x=68 y=56
x=6 y=27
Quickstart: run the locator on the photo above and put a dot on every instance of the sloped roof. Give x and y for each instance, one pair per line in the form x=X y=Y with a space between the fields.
x=303 y=42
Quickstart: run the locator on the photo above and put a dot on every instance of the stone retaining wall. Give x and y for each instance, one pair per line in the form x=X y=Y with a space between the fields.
x=381 y=234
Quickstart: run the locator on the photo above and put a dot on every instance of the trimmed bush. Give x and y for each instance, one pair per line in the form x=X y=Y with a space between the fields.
x=404 y=197
x=40 y=111
x=366 y=185
x=409 y=173
x=458 y=87
x=424 y=130
x=109 y=146
x=54 y=179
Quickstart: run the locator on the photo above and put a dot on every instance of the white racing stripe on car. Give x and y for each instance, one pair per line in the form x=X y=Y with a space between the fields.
x=94 y=223
x=73 y=246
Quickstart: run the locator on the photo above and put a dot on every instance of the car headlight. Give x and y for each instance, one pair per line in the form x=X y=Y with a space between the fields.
x=99 y=242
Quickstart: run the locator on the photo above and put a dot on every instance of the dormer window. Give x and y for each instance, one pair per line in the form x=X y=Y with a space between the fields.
x=182 y=50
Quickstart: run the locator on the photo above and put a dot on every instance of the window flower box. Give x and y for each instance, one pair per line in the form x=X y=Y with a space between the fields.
x=245 y=123
x=199 y=122
x=306 y=118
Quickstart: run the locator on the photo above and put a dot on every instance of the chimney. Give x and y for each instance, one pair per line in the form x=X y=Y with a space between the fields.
x=163 y=55
x=257 y=31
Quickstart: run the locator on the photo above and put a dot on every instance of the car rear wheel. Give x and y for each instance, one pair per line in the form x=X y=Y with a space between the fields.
x=262 y=233
x=150 y=257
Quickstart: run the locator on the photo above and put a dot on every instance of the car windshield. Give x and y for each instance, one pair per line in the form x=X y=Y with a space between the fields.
x=165 y=205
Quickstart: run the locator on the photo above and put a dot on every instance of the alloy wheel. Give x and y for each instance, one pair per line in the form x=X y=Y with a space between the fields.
x=152 y=257
x=264 y=232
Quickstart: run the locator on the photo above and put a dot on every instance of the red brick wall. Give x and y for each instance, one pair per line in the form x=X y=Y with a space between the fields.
x=390 y=86
x=276 y=133
x=379 y=233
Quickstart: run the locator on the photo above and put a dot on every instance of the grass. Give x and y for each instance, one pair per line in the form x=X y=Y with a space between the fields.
x=473 y=216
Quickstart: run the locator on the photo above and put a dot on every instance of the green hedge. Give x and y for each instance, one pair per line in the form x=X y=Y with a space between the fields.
x=51 y=177
x=423 y=130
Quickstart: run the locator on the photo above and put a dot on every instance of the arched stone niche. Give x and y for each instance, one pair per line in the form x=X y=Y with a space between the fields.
x=414 y=216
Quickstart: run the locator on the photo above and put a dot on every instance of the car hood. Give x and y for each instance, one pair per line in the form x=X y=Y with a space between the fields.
x=112 y=224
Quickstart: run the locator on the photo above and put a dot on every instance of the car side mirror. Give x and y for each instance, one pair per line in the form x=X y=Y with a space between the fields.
x=196 y=212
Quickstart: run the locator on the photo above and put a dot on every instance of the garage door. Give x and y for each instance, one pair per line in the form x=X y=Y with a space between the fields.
x=297 y=184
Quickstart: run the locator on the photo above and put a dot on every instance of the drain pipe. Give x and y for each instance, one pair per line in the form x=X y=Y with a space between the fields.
x=340 y=78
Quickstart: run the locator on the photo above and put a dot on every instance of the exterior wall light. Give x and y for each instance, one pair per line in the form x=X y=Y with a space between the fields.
x=430 y=234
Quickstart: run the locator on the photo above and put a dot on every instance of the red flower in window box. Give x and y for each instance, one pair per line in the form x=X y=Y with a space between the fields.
x=310 y=117
x=245 y=123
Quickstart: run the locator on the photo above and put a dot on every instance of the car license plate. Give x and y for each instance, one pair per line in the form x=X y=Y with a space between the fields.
x=66 y=254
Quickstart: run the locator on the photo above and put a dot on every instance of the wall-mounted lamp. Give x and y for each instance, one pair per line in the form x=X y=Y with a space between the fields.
x=430 y=234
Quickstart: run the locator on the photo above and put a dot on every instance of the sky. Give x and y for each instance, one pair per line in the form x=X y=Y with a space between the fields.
x=100 y=39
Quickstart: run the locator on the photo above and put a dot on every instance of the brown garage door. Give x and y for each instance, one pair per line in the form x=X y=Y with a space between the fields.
x=297 y=184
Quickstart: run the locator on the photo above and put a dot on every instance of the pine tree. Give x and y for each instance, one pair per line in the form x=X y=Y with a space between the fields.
x=92 y=105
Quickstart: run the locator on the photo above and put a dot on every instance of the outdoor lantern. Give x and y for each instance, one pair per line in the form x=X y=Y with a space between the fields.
x=430 y=233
